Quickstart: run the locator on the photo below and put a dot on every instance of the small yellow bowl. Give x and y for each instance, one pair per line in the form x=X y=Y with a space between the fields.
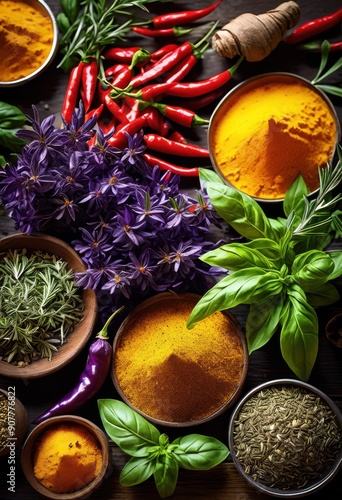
x=27 y=26
x=265 y=128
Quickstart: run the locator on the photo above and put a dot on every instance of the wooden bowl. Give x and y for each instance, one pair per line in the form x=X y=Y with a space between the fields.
x=16 y=422
x=76 y=340
x=29 y=448
x=178 y=390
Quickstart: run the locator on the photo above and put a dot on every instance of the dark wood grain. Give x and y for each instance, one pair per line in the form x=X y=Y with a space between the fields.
x=223 y=482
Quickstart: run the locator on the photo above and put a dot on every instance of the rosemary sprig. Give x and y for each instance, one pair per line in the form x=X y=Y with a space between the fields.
x=96 y=26
x=321 y=75
x=40 y=304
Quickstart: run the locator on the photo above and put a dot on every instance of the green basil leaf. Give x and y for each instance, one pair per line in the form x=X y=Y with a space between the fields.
x=315 y=271
x=197 y=452
x=269 y=248
x=166 y=475
x=294 y=200
x=299 y=334
x=240 y=211
x=10 y=141
x=236 y=256
x=137 y=470
x=304 y=259
x=11 y=117
x=336 y=256
x=323 y=295
x=242 y=287
x=129 y=430
x=208 y=175
x=263 y=321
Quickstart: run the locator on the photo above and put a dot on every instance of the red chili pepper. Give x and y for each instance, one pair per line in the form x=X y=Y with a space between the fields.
x=195 y=89
x=181 y=69
x=183 y=116
x=130 y=106
x=121 y=54
x=108 y=124
x=168 y=146
x=175 y=169
x=72 y=92
x=183 y=17
x=122 y=79
x=157 y=122
x=178 y=137
x=115 y=69
x=314 y=27
x=159 y=53
x=153 y=90
x=317 y=46
x=119 y=139
x=161 y=33
x=94 y=112
x=140 y=58
x=89 y=82
x=115 y=109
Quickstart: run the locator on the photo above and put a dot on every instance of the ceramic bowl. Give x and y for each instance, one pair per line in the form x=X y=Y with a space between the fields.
x=14 y=422
x=42 y=7
x=296 y=417
x=274 y=145
x=175 y=389
x=29 y=447
x=77 y=339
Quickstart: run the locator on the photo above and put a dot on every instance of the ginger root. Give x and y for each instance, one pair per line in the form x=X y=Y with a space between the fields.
x=255 y=36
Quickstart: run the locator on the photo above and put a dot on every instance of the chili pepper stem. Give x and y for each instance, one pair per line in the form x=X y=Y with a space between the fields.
x=103 y=334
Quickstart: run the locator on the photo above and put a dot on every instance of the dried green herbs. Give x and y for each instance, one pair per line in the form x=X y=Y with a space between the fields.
x=286 y=437
x=39 y=305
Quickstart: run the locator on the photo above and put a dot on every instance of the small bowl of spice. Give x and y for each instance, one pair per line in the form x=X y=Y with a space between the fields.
x=66 y=457
x=13 y=423
x=174 y=376
x=46 y=319
x=29 y=40
x=285 y=438
x=269 y=129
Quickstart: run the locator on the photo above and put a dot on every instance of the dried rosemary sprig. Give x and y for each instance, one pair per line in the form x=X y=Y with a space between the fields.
x=39 y=305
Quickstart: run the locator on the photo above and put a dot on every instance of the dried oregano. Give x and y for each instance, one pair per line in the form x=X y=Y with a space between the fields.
x=39 y=305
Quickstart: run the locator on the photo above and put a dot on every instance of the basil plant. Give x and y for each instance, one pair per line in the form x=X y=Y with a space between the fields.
x=151 y=452
x=281 y=269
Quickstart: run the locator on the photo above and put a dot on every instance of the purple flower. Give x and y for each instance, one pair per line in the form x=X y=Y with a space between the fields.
x=149 y=209
x=118 y=283
x=129 y=231
x=94 y=245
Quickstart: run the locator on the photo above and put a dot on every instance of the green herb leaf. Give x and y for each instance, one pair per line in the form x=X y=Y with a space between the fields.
x=312 y=268
x=323 y=295
x=11 y=119
x=137 y=470
x=235 y=256
x=127 y=428
x=269 y=248
x=263 y=320
x=166 y=475
x=336 y=256
x=299 y=334
x=242 y=287
x=197 y=452
x=207 y=175
x=241 y=212
x=294 y=200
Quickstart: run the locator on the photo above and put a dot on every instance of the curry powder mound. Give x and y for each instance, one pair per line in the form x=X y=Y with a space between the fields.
x=175 y=374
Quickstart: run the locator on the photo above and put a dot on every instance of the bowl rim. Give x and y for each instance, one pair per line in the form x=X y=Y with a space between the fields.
x=27 y=448
x=70 y=349
x=249 y=81
x=179 y=296
x=316 y=485
x=43 y=6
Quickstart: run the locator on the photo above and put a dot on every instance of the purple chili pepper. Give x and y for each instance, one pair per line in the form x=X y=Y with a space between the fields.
x=91 y=379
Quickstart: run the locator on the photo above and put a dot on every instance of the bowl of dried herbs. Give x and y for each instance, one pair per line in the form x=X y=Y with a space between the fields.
x=45 y=318
x=285 y=438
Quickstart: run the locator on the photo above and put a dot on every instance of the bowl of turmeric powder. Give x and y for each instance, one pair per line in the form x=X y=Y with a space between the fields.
x=29 y=40
x=268 y=130
x=172 y=375
x=66 y=458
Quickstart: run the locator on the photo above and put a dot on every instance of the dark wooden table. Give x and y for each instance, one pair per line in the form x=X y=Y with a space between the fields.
x=222 y=482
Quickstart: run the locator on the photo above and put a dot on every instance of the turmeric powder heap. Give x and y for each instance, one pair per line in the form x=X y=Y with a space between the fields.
x=268 y=132
x=26 y=37
x=174 y=374
x=67 y=457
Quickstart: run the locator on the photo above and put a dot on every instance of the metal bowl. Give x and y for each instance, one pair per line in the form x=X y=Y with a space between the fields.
x=232 y=98
x=43 y=8
x=311 y=486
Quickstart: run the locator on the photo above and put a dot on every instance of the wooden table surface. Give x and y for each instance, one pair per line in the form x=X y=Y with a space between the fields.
x=222 y=482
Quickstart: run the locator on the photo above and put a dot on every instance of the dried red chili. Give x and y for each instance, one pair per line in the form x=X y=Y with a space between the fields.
x=89 y=82
x=162 y=51
x=183 y=116
x=169 y=146
x=180 y=70
x=72 y=92
x=314 y=27
x=114 y=108
x=175 y=169
x=121 y=54
x=183 y=17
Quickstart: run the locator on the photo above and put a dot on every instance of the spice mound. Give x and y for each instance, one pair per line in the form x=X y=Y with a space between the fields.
x=174 y=374
x=270 y=130
x=286 y=437
x=67 y=457
x=26 y=37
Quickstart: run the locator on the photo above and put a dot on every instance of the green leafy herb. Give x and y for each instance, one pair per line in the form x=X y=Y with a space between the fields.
x=321 y=75
x=40 y=304
x=282 y=270
x=11 y=119
x=152 y=453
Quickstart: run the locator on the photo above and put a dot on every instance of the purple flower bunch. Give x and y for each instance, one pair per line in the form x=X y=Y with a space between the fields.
x=132 y=226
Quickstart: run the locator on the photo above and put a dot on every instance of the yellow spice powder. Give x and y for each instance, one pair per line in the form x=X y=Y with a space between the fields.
x=268 y=133
x=67 y=457
x=26 y=37
x=175 y=374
